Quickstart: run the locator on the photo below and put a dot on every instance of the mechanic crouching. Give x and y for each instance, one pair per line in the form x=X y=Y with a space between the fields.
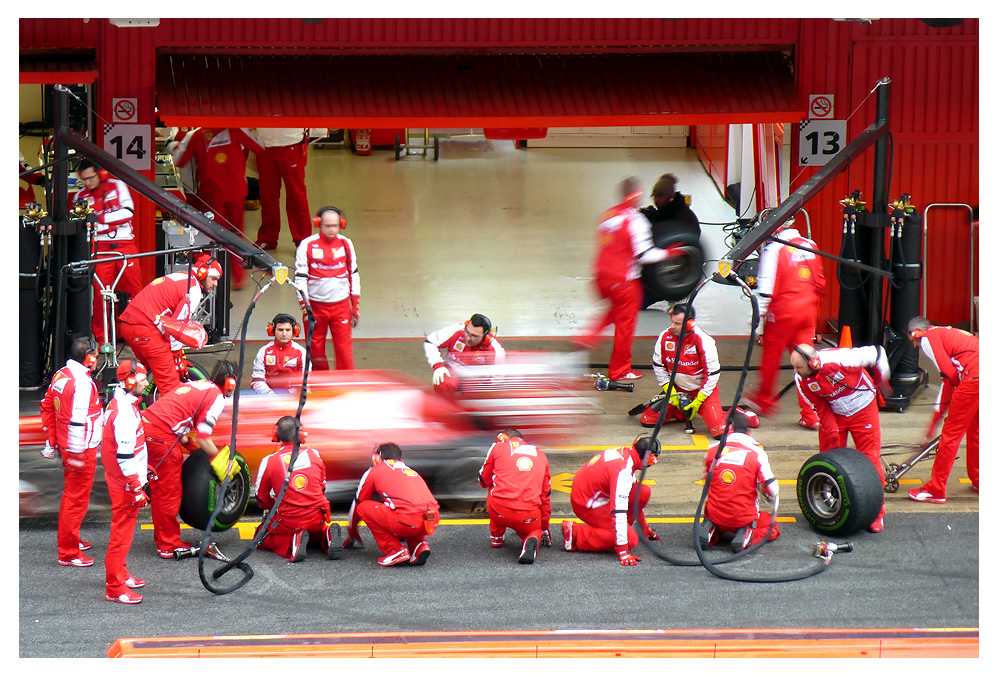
x=304 y=511
x=603 y=493
x=395 y=503
x=733 y=500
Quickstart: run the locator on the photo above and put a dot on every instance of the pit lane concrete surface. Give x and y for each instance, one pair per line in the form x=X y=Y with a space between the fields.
x=921 y=572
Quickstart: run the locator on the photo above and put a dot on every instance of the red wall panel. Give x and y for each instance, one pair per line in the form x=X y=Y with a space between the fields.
x=55 y=33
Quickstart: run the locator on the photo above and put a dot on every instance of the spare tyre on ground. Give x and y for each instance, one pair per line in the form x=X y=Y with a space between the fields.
x=839 y=492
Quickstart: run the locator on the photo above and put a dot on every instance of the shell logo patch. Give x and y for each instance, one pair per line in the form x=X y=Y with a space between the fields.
x=524 y=464
x=805 y=273
x=459 y=346
x=727 y=476
x=669 y=345
x=183 y=389
x=317 y=253
x=221 y=158
x=814 y=387
x=299 y=481
x=270 y=359
x=408 y=472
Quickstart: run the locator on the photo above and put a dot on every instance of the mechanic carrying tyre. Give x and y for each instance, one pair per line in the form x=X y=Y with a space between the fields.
x=836 y=383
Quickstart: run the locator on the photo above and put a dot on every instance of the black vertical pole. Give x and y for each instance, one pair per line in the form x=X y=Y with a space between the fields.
x=878 y=218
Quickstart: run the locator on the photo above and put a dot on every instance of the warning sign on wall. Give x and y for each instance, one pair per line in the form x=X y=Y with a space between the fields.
x=820 y=107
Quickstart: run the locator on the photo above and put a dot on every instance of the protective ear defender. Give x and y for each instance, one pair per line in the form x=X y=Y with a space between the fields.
x=688 y=313
x=302 y=434
x=91 y=357
x=201 y=271
x=917 y=334
x=318 y=218
x=814 y=363
x=130 y=379
x=502 y=437
x=487 y=338
x=284 y=318
x=103 y=174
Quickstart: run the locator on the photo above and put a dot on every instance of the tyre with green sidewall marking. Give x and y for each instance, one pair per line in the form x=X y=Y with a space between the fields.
x=201 y=493
x=839 y=492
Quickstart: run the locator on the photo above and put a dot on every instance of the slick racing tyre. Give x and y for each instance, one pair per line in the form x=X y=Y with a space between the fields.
x=201 y=493
x=457 y=486
x=677 y=276
x=839 y=492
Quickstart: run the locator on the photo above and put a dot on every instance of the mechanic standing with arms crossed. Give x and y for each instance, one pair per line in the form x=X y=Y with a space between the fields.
x=520 y=491
x=185 y=415
x=327 y=263
x=789 y=286
x=837 y=384
x=624 y=245
x=73 y=423
x=955 y=354
x=123 y=454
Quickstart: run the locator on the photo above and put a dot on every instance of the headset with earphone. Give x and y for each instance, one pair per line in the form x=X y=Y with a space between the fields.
x=283 y=318
x=302 y=434
x=90 y=359
x=318 y=218
x=202 y=269
x=917 y=334
x=814 y=363
x=130 y=380
x=688 y=313
x=489 y=334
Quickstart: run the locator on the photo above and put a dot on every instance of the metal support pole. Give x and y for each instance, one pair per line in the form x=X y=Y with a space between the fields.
x=971 y=224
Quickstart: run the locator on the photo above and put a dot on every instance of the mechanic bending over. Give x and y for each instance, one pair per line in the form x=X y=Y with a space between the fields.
x=837 y=384
x=185 y=416
x=603 y=492
x=473 y=342
x=733 y=500
x=278 y=365
x=304 y=511
x=955 y=354
x=395 y=503
x=520 y=490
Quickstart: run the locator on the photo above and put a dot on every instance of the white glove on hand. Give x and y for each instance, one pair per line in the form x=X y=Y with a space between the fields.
x=48 y=451
x=440 y=373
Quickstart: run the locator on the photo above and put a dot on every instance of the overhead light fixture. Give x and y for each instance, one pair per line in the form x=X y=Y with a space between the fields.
x=134 y=23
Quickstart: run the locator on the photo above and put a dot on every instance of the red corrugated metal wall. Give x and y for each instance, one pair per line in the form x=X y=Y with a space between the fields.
x=934 y=125
x=58 y=33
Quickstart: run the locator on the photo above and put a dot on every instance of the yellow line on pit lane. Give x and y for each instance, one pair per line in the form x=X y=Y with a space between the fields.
x=246 y=530
x=699 y=442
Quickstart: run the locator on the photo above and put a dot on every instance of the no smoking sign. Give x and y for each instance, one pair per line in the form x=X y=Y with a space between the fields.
x=124 y=110
x=820 y=106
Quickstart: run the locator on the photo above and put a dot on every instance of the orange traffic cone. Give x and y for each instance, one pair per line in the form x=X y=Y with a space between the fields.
x=845 y=340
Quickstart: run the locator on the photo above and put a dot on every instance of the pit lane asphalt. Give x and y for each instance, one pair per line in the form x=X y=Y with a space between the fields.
x=922 y=571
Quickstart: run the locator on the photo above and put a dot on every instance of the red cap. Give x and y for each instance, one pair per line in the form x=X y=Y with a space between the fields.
x=125 y=368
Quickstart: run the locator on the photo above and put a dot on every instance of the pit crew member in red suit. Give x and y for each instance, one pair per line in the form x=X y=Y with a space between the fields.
x=624 y=245
x=220 y=155
x=286 y=151
x=790 y=285
x=954 y=353
x=520 y=488
x=278 y=364
x=326 y=267
x=395 y=503
x=837 y=384
x=123 y=453
x=112 y=202
x=733 y=500
x=73 y=422
x=177 y=295
x=183 y=419
x=304 y=511
x=697 y=375
x=603 y=493
x=471 y=343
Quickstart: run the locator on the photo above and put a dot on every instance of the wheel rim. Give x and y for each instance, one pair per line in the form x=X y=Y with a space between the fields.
x=679 y=269
x=231 y=499
x=823 y=495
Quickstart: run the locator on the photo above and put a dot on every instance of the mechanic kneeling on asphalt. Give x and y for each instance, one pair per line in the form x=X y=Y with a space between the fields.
x=183 y=419
x=520 y=490
x=836 y=383
x=603 y=492
x=395 y=503
x=697 y=375
x=733 y=500
x=123 y=453
x=304 y=511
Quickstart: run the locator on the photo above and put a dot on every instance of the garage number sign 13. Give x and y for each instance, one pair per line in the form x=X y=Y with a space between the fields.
x=819 y=141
